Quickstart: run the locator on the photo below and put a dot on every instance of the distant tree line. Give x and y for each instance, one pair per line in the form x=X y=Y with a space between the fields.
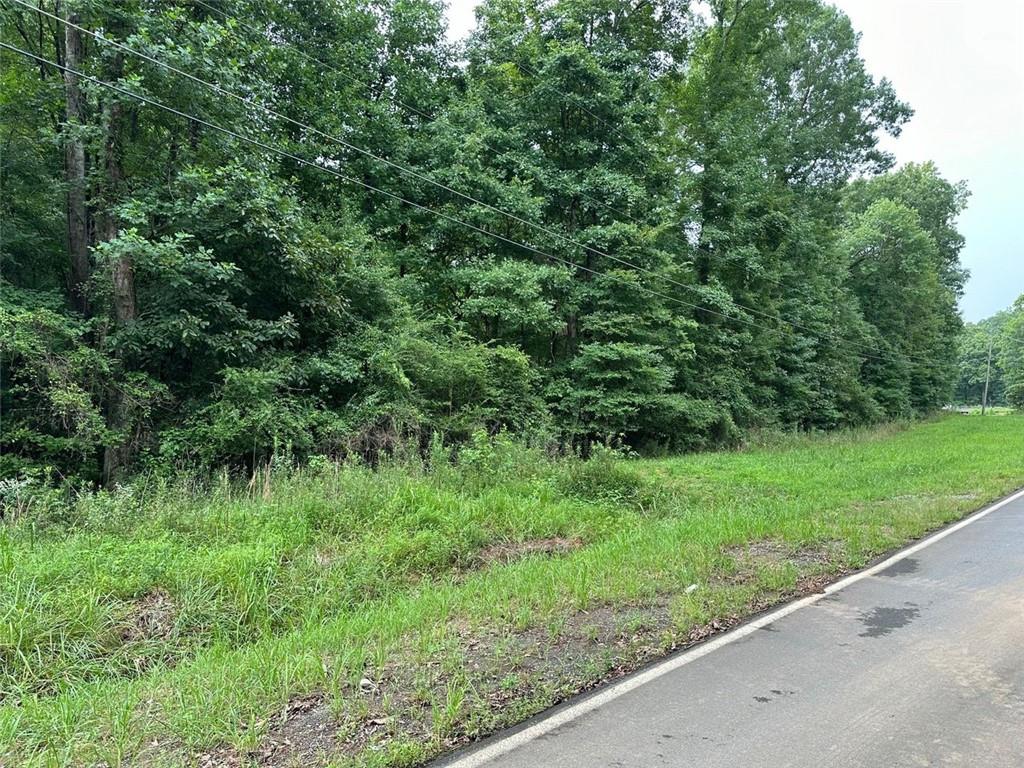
x=661 y=223
x=994 y=349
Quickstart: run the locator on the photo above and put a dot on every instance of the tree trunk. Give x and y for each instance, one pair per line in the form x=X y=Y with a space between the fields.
x=117 y=456
x=74 y=168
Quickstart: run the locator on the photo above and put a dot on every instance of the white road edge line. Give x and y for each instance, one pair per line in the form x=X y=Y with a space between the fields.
x=506 y=744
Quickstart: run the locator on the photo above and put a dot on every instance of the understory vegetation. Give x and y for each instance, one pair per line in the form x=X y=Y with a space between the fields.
x=334 y=614
x=661 y=225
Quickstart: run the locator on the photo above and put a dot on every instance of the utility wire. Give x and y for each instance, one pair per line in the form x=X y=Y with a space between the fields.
x=316 y=131
x=394 y=99
x=431 y=118
x=303 y=161
x=453 y=219
x=412 y=172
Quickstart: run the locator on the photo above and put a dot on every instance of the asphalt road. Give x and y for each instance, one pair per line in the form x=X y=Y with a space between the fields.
x=917 y=663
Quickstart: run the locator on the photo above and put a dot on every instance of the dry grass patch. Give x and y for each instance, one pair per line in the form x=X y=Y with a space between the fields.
x=151 y=617
x=506 y=552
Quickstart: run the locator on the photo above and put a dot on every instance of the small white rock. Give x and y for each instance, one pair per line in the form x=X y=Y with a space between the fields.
x=691 y=588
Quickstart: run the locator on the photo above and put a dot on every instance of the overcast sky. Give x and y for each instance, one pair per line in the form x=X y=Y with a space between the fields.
x=960 y=65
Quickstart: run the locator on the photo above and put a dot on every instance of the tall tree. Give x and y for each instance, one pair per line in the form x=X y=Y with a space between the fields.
x=1011 y=354
x=776 y=113
x=74 y=160
x=599 y=220
x=892 y=263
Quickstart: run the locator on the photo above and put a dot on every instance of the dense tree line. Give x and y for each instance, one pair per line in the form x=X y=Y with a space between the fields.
x=665 y=223
x=993 y=349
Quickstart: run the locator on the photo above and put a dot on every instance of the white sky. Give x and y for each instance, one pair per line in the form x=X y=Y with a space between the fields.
x=960 y=65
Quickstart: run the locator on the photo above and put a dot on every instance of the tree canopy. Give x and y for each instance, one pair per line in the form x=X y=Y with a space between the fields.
x=993 y=350
x=239 y=229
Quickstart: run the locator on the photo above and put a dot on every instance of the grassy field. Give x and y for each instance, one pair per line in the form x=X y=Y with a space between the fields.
x=348 y=617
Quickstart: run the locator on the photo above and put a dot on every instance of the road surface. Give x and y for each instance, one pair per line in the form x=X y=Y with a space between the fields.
x=918 y=662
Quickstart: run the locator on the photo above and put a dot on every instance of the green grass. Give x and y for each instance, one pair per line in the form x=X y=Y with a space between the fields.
x=168 y=621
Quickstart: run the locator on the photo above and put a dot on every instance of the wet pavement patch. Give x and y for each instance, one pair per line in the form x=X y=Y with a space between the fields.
x=775 y=692
x=900 y=567
x=883 y=621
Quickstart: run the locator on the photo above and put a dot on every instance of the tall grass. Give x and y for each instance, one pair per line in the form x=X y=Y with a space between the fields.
x=173 y=616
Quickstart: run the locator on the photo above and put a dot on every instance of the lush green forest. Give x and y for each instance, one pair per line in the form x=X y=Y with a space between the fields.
x=993 y=349
x=238 y=231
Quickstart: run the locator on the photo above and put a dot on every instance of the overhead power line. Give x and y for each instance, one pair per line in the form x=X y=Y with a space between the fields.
x=262 y=34
x=422 y=177
x=312 y=164
x=393 y=99
x=318 y=166
x=412 y=172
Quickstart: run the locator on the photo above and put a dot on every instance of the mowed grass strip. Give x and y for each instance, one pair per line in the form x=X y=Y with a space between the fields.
x=348 y=616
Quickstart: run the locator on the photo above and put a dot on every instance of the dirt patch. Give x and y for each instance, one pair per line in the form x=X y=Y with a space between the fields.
x=306 y=732
x=395 y=702
x=636 y=628
x=775 y=551
x=713 y=627
x=301 y=734
x=225 y=757
x=151 y=617
x=816 y=583
x=510 y=551
x=567 y=655
x=750 y=557
x=505 y=674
